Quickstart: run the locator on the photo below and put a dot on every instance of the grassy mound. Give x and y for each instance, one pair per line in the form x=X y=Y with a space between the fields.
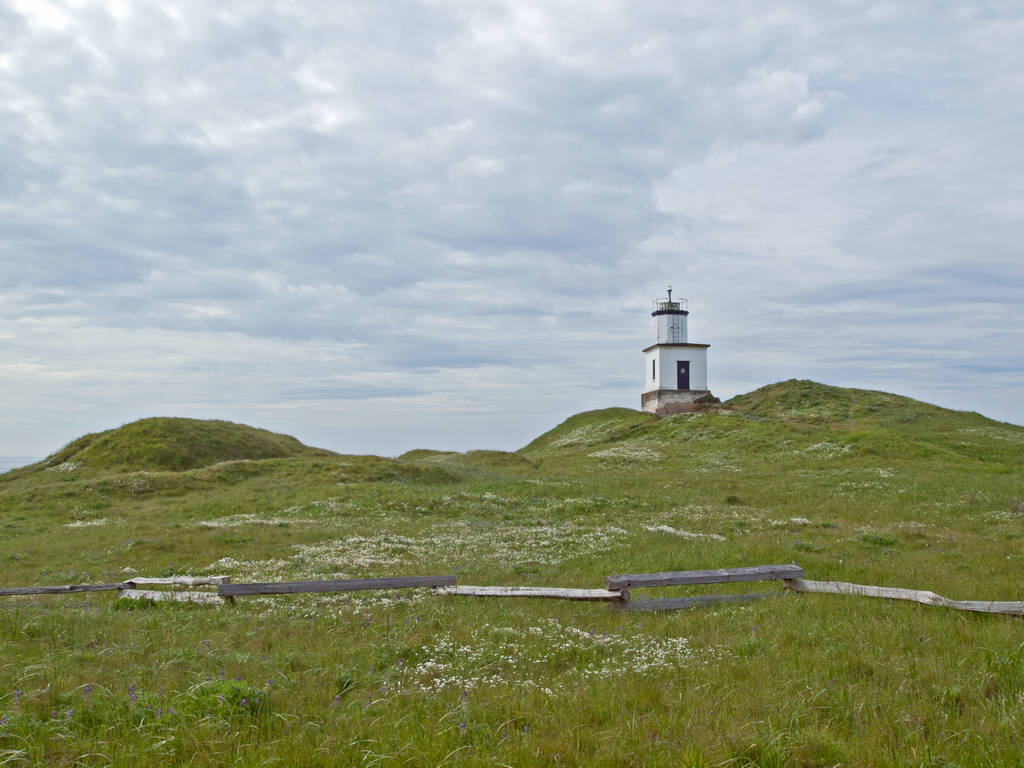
x=174 y=444
x=494 y=462
x=795 y=400
x=809 y=401
x=590 y=428
x=790 y=420
x=880 y=423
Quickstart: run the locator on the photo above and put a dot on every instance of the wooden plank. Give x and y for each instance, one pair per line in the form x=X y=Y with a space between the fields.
x=714 y=576
x=180 y=581
x=555 y=593
x=61 y=590
x=173 y=595
x=1010 y=608
x=343 y=585
x=676 y=603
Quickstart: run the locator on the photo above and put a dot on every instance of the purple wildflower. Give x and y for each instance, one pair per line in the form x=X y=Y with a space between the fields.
x=220 y=698
x=67 y=715
x=17 y=695
x=462 y=726
x=221 y=674
x=53 y=713
x=88 y=689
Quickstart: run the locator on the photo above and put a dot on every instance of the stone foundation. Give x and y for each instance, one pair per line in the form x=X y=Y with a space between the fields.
x=665 y=402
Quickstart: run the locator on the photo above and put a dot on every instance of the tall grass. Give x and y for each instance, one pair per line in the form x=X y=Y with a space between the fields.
x=852 y=485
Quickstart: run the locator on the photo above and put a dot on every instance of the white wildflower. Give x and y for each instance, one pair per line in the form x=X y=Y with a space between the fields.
x=627 y=452
x=682 y=534
x=827 y=450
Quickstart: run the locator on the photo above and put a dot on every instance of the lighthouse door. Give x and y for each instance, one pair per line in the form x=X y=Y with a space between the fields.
x=682 y=374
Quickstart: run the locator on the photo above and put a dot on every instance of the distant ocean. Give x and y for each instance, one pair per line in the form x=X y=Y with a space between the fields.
x=13 y=462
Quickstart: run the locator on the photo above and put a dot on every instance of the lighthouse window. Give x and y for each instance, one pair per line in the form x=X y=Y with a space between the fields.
x=653 y=362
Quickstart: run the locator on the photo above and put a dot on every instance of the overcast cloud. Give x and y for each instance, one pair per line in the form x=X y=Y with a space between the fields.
x=380 y=226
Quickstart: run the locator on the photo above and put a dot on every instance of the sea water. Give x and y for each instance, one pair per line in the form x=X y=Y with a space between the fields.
x=13 y=462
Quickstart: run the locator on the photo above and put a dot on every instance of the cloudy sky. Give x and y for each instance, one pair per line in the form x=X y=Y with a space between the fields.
x=386 y=225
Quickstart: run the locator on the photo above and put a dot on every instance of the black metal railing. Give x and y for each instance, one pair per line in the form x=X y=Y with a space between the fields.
x=663 y=305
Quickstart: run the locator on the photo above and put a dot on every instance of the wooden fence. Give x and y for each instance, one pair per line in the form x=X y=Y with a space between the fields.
x=680 y=578
x=341 y=585
x=552 y=593
x=617 y=591
x=131 y=589
x=1011 y=608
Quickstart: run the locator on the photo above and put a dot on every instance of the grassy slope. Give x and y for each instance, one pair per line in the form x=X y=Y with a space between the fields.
x=854 y=485
x=174 y=444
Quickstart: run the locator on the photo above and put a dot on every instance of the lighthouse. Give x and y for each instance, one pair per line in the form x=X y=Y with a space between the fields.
x=676 y=370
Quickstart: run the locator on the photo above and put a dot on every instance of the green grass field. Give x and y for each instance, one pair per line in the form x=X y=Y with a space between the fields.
x=853 y=485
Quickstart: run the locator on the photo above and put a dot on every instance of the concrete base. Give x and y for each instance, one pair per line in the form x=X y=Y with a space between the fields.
x=665 y=402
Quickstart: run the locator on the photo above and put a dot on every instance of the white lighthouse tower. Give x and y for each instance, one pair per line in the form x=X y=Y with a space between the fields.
x=676 y=370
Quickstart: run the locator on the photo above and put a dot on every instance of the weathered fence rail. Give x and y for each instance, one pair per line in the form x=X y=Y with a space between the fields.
x=1011 y=608
x=176 y=595
x=626 y=582
x=179 y=581
x=129 y=587
x=554 y=593
x=342 y=585
x=713 y=576
x=62 y=589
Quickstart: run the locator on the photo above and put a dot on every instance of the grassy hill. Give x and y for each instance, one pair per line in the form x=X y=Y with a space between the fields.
x=174 y=444
x=854 y=485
